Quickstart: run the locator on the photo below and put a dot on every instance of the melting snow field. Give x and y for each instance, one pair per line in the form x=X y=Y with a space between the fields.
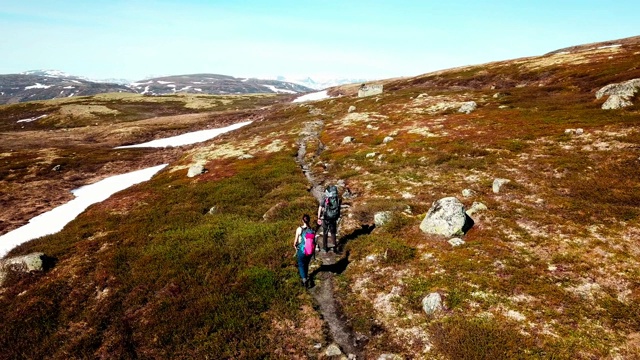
x=320 y=95
x=188 y=138
x=53 y=221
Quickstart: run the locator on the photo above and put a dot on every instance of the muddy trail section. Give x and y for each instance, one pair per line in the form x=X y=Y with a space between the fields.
x=322 y=278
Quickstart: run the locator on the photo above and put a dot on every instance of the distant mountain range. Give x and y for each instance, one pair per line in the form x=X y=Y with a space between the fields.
x=50 y=84
x=214 y=84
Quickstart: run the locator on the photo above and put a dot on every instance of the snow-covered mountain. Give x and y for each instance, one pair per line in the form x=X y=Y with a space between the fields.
x=214 y=84
x=50 y=84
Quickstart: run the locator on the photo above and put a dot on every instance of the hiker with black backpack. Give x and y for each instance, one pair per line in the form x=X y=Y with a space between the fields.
x=328 y=215
x=305 y=245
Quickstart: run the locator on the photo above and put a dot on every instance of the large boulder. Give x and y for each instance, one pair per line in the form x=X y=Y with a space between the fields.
x=620 y=94
x=26 y=263
x=382 y=217
x=446 y=217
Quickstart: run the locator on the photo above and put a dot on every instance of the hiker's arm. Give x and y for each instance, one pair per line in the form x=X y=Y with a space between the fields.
x=297 y=238
x=320 y=208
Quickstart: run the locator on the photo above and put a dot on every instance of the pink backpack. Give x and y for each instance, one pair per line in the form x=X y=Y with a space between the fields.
x=308 y=241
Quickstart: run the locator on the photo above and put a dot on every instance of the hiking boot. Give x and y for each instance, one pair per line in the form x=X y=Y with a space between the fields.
x=304 y=282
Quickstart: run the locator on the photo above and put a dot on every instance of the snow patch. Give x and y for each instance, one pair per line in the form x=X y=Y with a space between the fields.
x=609 y=46
x=38 y=86
x=320 y=95
x=164 y=82
x=69 y=87
x=276 y=90
x=53 y=221
x=188 y=138
x=32 y=119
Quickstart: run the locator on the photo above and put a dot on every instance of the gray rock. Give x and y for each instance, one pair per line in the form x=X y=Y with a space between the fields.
x=569 y=131
x=195 y=170
x=57 y=168
x=497 y=184
x=213 y=210
x=579 y=131
x=390 y=357
x=476 y=207
x=371 y=155
x=333 y=350
x=446 y=217
x=432 y=303
x=348 y=140
x=619 y=94
x=25 y=263
x=387 y=139
x=351 y=109
x=382 y=217
x=455 y=242
x=245 y=157
x=468 y=107
x=467 y=193
x=615 y=102
x=626 y=89
x=497 y=95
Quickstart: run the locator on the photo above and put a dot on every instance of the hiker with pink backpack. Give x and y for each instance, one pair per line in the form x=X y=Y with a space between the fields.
x=305 y=245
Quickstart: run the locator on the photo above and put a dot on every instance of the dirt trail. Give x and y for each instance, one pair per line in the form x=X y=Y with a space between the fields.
x=322 y=278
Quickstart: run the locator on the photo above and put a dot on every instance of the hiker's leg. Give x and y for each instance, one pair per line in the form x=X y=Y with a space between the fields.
x=302 y=269
x=325 y=230
x=332 y=230
x=306 y=260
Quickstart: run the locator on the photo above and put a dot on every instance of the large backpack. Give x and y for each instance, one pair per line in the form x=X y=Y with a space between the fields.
x=308 y=241
x=331 y=203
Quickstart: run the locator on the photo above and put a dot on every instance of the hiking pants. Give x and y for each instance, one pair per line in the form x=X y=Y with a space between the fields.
x=303 y=265
x=329 y=226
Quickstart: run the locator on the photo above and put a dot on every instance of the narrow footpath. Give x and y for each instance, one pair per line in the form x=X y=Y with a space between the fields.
x=323 y=277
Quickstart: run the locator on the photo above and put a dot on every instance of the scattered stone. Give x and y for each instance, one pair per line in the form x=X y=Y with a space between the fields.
x=245 y=157
x=467 y=193
x=503 y=107
x=351 y=109
x=476 y=207
x=577 y=131
x=317 y=346
x=456 y=242
x=432 y=303
x=348 y=140
x=497 y=184
x=57 y=167
x=446 y=217
x=515 y=315
x=497 y=95
x=387 y=140
x=468 y=107
x=381 y=218
x=390 y=357
x=333 y=350
x=195 y=170
x=371 y=155
x=213 y=210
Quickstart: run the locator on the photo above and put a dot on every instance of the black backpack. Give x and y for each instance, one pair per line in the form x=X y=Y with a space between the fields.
x=331 y=203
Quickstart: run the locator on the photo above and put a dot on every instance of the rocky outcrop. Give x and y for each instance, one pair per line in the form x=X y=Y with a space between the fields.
x=348 y=140
x=351 y=109
x=446 y=217
x=387 y=140
x=620 y=94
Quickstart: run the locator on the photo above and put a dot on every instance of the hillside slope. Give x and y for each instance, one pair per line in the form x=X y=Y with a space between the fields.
x=203 y=267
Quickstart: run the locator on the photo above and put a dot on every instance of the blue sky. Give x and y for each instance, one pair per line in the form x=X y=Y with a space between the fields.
x=134 y=39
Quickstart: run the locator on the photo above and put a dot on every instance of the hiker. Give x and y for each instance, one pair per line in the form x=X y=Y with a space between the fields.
x=328 y=215
x=305 y=245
